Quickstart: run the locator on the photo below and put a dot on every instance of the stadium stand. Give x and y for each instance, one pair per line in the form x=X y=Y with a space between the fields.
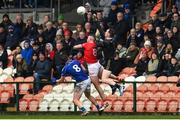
x=144 y=56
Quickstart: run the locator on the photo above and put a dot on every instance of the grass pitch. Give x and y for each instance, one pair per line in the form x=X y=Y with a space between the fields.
x=90 y=116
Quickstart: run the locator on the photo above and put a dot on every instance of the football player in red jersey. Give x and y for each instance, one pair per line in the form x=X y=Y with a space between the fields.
x=96 y=69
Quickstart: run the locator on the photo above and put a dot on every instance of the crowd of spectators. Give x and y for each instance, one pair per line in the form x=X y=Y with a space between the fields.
x=43 y=49
x=4 y=4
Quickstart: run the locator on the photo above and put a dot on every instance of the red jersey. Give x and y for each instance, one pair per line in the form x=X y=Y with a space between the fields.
x=90 y=52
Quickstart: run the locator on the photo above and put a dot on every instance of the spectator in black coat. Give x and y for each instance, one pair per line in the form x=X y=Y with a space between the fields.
x=155 y=20
x=164 y=64
x=151 y=33
x=49 y=33
x=132 y=38
x=113 y=13
x=116 y=64
x=159 y=49
x=80 y=40
x=121 y=28
x=108 y=48
x=3 y=57
x=42 y=70
x=19 y=25
x=142 y=65
x=60 y=59
x=12 y=38
x=33 y=63
x=174 y=68
x=139 y=31
x=6 y=22
x=31 y=29
x=68 y=42
x=2 y=35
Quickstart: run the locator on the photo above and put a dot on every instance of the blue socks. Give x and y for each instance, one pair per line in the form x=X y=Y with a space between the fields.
x=98 y=107
x=82 y=109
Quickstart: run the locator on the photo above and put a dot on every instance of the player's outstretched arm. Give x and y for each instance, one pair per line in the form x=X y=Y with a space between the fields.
x=83 y=68
x=77 y=46
x=61 y=80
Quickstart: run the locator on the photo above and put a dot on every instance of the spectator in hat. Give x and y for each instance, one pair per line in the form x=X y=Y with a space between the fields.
x=113 y=13
x=27 y=52
x=60 y=20
x=68 y=41
x=3 y=57
x=6 y=22
x=128 y=14
x=147 y=49
x=49 y=33
x=12 y=38
x=59 y=36
x=21 y=66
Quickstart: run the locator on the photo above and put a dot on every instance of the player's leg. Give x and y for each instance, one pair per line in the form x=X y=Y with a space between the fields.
x=111 y=82
x=78 y=91
x=89 y=96
x=93 y=73
x=95 y=81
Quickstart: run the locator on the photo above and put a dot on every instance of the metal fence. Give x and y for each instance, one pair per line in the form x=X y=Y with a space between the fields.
x=137 y=97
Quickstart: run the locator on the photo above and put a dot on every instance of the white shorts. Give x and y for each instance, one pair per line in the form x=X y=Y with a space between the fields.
x=84 y=86
x=94 y=68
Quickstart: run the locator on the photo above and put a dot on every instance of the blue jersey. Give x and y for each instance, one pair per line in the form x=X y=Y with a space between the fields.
x=74 y=69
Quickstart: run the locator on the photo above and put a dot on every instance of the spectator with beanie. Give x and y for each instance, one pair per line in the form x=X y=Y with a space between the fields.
x=12 y=38
x=147 y=49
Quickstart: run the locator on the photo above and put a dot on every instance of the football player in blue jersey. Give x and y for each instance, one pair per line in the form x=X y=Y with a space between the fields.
x=83 y=84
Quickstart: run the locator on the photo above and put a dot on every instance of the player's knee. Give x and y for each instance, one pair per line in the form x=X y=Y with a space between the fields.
x=75 y=100
x=87 y=95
